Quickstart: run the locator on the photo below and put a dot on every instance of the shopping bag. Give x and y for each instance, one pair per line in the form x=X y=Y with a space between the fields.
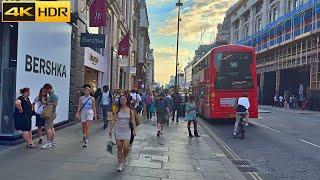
x=47 y=112
x=110 y=147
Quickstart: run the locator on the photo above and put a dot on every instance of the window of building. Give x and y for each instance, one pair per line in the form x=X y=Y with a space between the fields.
x=246 y=30
x=258 y=24
x=258 y=8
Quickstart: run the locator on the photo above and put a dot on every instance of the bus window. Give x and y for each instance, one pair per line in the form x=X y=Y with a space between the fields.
x=233 y=71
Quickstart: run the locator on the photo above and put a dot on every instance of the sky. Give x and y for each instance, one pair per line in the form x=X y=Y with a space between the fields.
x=199 y=19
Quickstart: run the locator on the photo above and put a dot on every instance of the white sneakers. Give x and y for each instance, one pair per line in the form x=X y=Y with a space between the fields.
x=120 y=168
x=47 y=145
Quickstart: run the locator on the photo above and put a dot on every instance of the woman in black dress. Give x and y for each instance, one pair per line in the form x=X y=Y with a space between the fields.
x=22 y=116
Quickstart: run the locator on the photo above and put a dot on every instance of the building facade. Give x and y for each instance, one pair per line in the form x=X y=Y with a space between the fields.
x=150 y=70
x=188 y=75
x=285 y=34
x=143 y=46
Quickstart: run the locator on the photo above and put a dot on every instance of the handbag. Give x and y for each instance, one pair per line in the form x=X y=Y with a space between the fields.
x=110 y=147
x=47 y=112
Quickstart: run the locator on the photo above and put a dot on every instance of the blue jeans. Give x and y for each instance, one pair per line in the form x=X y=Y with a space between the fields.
x=105 y=110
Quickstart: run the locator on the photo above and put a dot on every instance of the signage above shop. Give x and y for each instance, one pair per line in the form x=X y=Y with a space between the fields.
x=93 y=40
x=94 y=60
x=97 y=13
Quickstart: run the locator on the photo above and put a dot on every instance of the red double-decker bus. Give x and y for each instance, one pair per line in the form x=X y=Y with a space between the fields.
x=222 y=76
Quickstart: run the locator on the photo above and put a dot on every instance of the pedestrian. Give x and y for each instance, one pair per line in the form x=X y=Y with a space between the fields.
x=52 y=100
x=149 y=101
x=86 y=113
x=162 y=110
x=169 y=102
x=191 y=116
x=106 y=103
x=280 y=101
x=176 y=104
x=22 y=116
x=97 y=96
x=286 y=101
x=291 y=101
x=124 y=125
x=134 y=101
x=40 y=102
x=275 y=100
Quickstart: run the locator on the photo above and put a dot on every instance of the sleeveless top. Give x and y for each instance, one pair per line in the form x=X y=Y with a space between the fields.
x=122 y=122
x=87 y=103
x=26 y=107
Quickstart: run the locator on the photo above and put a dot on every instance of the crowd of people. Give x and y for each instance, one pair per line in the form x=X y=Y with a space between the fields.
x=289 y=102
x=120 y=110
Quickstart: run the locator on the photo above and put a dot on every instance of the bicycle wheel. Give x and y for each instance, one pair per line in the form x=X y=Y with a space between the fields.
x=242 y=131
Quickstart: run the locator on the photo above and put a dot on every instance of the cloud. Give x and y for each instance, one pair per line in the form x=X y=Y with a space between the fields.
x=158 y=3
x=198 y=17
x=165 y=62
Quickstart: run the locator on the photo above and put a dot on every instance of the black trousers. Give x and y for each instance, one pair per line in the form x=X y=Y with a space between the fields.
x=175 y=108
x=195 y=125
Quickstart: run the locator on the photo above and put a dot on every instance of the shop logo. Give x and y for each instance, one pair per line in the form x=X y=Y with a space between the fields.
x=41 y=66
x=94 y=59
x=37 y=11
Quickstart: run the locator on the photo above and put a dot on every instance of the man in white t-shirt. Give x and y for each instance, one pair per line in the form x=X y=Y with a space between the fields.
x=105 y=102
x=242 y=106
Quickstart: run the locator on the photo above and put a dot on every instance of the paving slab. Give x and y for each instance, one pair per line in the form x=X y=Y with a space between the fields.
x=171 y=156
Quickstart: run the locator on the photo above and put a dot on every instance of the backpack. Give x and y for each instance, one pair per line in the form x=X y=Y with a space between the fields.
x=160 y=106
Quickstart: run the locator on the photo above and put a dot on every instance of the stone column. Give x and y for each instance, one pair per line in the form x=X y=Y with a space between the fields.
x=283 y=7
x=265 y=13
x=241 y=28
x=251 y=21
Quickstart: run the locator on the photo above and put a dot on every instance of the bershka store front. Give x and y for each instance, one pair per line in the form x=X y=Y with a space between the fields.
x=95 y=68
x=33 y=54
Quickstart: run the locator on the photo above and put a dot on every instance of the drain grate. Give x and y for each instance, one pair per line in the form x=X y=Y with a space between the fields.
x=241 y=162
x=247 y=169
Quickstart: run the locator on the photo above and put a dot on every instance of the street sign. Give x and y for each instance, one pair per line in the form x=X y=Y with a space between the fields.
x=93 y=40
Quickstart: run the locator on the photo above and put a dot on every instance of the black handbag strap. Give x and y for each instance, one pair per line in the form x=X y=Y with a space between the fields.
x=85 y=104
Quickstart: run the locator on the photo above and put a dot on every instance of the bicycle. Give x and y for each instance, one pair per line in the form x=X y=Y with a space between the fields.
x=241 y=126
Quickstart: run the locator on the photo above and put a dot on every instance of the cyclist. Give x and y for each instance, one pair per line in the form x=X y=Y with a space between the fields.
x=242 y=107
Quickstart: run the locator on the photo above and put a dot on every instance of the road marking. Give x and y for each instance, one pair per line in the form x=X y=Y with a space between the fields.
x=270 y=128
x=260 y=118
x=310 y=143
x=254 y=175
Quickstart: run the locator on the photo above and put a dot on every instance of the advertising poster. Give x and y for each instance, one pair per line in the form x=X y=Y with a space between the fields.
x=44 y=54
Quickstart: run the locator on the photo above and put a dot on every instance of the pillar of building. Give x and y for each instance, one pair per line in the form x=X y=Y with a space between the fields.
x=251 y=21
x=283 y=7
x=231 y=33
x=241 y=28
x=277 y=80
x=261 y=87
x=265 y=13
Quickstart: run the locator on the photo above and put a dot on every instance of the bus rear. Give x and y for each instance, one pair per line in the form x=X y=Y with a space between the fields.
x=233 y=74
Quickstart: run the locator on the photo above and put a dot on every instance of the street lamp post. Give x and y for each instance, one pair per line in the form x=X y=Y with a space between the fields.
x=178 y=4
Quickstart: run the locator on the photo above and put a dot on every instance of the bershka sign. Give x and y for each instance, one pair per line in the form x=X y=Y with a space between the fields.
x=93 y=40
x=42 y=66
x=45 y=60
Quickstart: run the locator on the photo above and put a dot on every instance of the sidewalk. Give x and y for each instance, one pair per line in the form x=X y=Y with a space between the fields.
x=172 y=156
x=298 y=111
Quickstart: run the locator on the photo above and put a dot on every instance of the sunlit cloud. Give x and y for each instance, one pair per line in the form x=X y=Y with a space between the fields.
x=201 y=17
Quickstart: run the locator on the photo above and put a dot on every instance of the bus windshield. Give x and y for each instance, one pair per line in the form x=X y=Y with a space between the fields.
x=233 y=70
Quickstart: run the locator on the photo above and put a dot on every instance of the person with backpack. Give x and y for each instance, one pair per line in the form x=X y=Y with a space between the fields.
x=86 y=113
x=176 y=105
x=162 y=110
x=106 y=103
